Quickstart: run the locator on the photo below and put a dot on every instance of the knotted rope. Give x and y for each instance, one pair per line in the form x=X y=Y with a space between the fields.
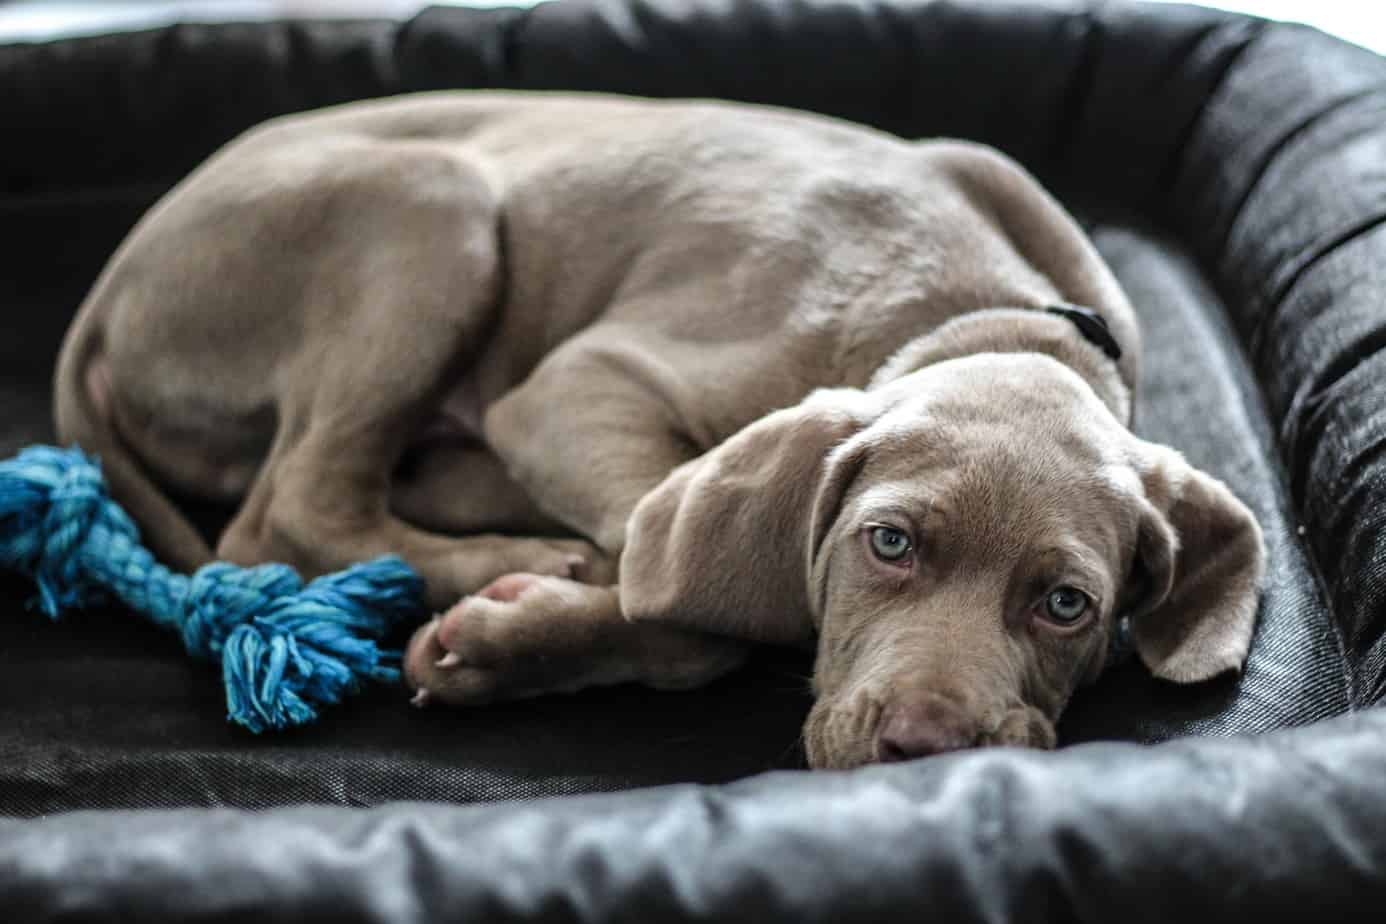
x=286 y=648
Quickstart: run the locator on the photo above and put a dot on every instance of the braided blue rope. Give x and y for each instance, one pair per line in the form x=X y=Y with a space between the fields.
x=286 y=648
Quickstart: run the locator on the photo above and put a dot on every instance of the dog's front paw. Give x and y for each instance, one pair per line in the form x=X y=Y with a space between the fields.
x=522 y=635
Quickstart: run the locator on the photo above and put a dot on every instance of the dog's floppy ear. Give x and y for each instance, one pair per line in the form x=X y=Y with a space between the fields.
x=721 y=545
x=1196 y=573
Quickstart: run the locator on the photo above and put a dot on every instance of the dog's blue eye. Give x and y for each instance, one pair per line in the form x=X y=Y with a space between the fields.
x=1066 y=604
x=890 y=544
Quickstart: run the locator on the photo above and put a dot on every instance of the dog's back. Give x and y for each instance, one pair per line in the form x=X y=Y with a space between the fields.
x=770 y=251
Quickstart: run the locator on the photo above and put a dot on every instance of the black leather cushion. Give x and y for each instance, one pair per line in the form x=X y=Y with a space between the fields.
x=1284 y=827
x=1230 y=172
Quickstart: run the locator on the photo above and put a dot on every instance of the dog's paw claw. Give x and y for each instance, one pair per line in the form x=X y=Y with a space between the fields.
x=421 y=698
x=451 y=659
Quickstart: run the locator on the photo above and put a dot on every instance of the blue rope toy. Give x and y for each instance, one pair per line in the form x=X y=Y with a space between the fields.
x=286 y=648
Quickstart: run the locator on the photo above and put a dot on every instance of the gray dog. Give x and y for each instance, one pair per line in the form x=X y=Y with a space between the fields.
x=636 y=384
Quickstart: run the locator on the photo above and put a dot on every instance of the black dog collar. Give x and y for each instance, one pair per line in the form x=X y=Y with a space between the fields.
x=1091 y=325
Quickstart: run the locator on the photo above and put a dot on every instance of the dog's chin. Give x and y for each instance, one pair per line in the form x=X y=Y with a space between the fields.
x=844 y=736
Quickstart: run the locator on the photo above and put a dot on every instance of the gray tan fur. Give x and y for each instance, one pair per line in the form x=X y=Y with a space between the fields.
x=635 y=384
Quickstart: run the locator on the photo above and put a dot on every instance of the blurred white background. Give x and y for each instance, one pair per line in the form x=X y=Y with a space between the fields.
x=1360 y=21
x=40 y=19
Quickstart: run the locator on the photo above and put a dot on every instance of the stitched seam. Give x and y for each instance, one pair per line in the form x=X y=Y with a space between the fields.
x=509 y=45
x=1079 y=90
x=1273 y=153
x=1342 y=239
x=1219 y=84
x=1361 y=348
x=1172 y=166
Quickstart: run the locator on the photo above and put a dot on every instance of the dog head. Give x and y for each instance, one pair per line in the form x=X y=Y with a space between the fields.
x=961 y=543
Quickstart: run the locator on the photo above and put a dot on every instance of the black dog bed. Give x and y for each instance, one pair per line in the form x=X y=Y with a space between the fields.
x=1233 y=172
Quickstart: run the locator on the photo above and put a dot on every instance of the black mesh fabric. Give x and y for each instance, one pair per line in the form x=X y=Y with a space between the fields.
x=1231 y=173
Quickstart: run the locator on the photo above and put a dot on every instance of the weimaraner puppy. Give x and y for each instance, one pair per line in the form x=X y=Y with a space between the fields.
x=637 y=384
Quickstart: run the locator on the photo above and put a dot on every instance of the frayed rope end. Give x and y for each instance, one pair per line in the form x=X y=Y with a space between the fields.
x=316 y=646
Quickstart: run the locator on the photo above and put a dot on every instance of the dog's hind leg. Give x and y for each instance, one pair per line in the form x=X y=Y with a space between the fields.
x=406 y=284
x=464 y=488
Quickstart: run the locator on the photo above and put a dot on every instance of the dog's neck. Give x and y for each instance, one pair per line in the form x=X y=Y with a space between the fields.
x=1015 y=330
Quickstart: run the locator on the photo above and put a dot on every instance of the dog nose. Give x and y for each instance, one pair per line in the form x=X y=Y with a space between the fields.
x=923 y=727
